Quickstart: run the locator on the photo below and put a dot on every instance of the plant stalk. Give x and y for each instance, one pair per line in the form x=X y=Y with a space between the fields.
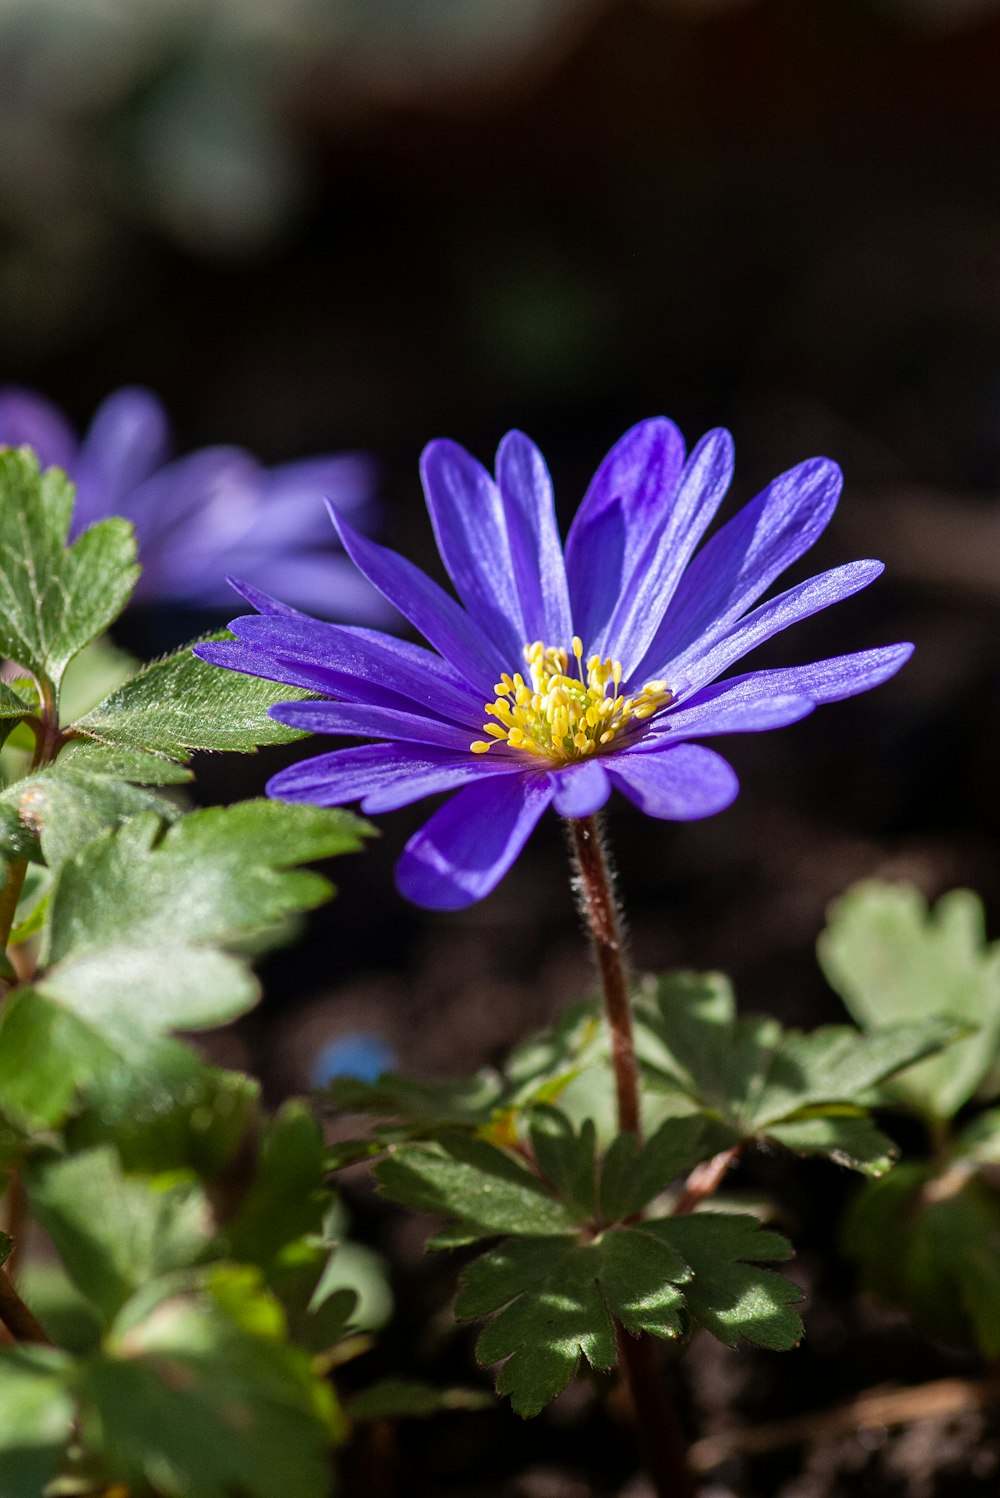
x=657 y=1424
x=601 y=913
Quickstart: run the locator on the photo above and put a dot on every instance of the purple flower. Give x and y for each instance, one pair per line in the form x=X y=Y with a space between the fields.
x=210 y=513
x=562 y=673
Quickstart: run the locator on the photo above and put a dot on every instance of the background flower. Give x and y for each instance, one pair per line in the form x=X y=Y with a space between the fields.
x=587 y=670
x=214 y=511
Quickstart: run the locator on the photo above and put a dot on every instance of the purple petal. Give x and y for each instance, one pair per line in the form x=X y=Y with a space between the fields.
x=535 y=548
x=383 y=777
x=647 y=592
x=321 y=582
x=363 y=721
x=742 y=560
x=441 y=621
x=724 y=709
x=346 y=479
x=581 y=789
x=828 y=680
x=471 y=533
x=264 y=603
x=680 y=784
x=127 y=440
x=29 y=420
x=699 y=666
x=364 y=659
x=623 y=506
x=465 y=849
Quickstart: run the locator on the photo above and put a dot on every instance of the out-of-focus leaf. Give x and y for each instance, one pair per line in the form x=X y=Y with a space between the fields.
x=199 y=1394
x=66 y=808
x=848 y=1139
x=115 y=1233
x=36 y=1418
x=402 y=1398
x=892 y=958
x=115 y=763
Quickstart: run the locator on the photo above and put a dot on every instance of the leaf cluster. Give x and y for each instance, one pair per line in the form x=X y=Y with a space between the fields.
x=198 y=1294
x=889 y=954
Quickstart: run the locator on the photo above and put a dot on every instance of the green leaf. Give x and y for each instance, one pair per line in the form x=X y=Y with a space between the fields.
x=36 y=1418
x=754 y=1079
x=66 y=808
x=199 y=1395
x=848 y=1139
x=451 y=1102
x=944 y=1267
x=114 y=1233
x=631 y=1178
x=890 y=957
x=730 y=1296
x=566 y=1158
x=54 y=600
x=171 y=1113
x=402 y=1398
x=288 y=1197
x=123 y=764
x=555 y=1299
x=474 y=1182
x=182 y=703
x=137 y=918
x=46 y=1052
x=979 y=1142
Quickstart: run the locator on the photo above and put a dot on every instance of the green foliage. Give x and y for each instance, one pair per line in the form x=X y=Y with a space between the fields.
x=729 y=1295
x=66 y=807
x=36 y=1414
x=757 y=1081
x=55 y=599
x=183 y=703
x=197 y=1393
x=554 y=1299
x=892 y=958
x=397 y=1398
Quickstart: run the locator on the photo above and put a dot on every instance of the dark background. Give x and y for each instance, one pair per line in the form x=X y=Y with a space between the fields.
x=363 y=226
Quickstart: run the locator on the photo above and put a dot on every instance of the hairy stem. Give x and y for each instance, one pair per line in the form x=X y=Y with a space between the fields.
x=600 y=911
x=705 y=1180
x=657 y=1425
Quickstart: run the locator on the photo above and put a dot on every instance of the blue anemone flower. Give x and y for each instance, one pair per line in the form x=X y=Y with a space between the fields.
x=212 y=512
x=563 y=672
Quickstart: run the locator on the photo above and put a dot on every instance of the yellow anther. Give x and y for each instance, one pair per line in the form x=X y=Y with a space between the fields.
x=560 y=718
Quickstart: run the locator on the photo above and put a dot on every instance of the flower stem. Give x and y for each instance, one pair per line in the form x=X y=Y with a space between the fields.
x=21 y=1322
x=657 y=1425
x=598 y=903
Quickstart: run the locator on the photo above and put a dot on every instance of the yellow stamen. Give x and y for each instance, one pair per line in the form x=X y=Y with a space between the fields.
x=562 y=718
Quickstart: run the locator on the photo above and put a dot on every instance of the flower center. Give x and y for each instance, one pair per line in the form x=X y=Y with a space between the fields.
x=562 y=717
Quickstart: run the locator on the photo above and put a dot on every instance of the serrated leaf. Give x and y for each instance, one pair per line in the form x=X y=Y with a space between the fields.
x=566 y=1158
x=36 y=1418
x=182 y=703
x=553 y=1300
x=474 y=1182
x=115 y=763
x=54 y=600
x=890 y=957
x=136 y=920
x=730 y=1295
x=632 y=1177
x=199 y=1395
x=66 y=808
x=849 y=1139
x=114 y=1233
x=752 y=1077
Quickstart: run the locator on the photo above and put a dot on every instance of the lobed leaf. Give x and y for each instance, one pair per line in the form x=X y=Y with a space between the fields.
x=554 y=1299
x=182 y=703
x=55 y=599
x=729 y=1294
x=66 y=808
x=891 y=957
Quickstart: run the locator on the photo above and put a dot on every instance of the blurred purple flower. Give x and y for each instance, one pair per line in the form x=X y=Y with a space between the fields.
x=585 y=669
x=213 y=512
